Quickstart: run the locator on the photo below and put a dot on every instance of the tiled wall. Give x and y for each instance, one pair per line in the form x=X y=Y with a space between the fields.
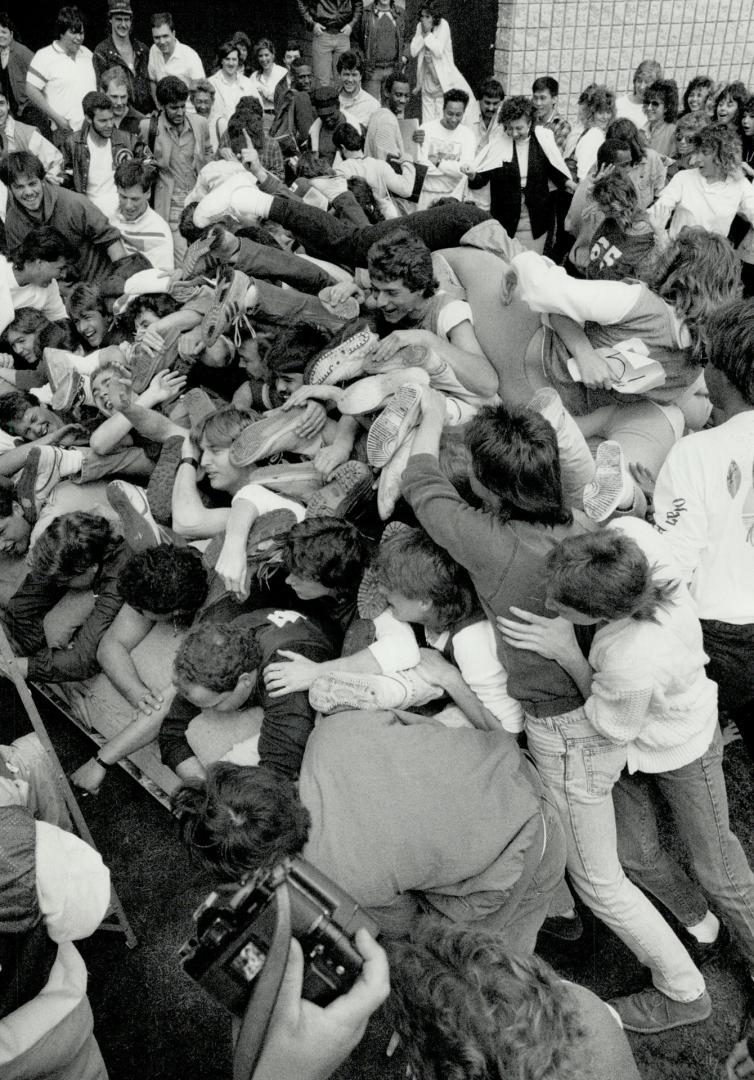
x=583 y=41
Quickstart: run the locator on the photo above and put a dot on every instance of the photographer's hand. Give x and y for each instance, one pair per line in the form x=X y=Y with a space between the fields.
x=307 y=1042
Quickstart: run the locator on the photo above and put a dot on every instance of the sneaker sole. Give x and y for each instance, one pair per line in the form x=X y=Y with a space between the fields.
x=257 y=441
x=218 y=320
x=391 y=426
x=347 y=311
x=602 y=496
x=338 y=692
x=341 y=363
x=138 y=531
x=197 y=252
x=351 y=482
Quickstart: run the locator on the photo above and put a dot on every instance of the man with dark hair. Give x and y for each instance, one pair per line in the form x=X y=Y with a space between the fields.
x=544 y=95
x=374 y=810
x=92 y=154
x=332 y=23
x=704 y=506
x=491 y=97
x=448 y=145
x=354 y=99
x=141 y=228
x=220 y=667
x=326 y=102
x=294 y=112
x=14 y=528
x=42 y=257
x=169 y=56
x=34 y=201
x=181 y=146
x=383 y=34
x=61 y=73
x=384 y=138
x=114 y=82
x=119 y=49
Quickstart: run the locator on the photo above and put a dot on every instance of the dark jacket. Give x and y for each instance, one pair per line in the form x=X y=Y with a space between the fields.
x=131 y=122
x=106 y=56
x=76 y=156
x=367 y=30
x=294 y=113
x=19 y=58
x=332 y=14
x=505 y=190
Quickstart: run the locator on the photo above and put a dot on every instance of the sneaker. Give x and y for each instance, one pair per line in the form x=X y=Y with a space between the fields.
x=298 y=480
x=263 y=546
x=391 y=479
x=70 y=390
x=161 y=482
x=389 y=430
x=145 y=365
x=707 y=952
x=40 y=474
x=273 y=434
x=341 y=362
x=140 y=530
x=650 y=1011
x=370 y=599
x=218 y=245
x=351 y=482
x=408 y=356
x=603 y=495
x=349 y=690
x=370 y=394
x=228 y=305
x=198 y=405
x=348 y=310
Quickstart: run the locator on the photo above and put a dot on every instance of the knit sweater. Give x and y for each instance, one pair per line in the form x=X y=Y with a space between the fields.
x=649 y=688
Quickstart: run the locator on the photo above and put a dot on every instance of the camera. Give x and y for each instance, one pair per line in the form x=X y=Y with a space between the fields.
x=235 y=925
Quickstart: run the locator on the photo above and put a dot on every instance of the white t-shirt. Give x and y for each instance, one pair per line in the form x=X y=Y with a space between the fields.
x=63 y=80
x=14 y=296
x=629 y=110
x=712 y=204
x=100 y=185
x=266 y=500
x=455 y=148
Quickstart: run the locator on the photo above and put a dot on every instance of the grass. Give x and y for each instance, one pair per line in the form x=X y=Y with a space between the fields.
x=153 y=1023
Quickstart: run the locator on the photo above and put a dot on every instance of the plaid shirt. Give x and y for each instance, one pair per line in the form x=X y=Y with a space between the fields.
x=271 y=157
x=560 y=128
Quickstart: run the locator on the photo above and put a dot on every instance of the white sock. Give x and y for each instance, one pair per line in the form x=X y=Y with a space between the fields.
x=71 y=462
x=707 y=930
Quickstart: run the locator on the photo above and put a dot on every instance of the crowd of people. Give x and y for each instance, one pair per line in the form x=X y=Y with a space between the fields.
x=433 y=439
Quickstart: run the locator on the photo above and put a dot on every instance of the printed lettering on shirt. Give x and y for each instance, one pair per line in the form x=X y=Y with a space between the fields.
x=445 y=150
x=282 y=618
x=607 y=253
x=672 y=517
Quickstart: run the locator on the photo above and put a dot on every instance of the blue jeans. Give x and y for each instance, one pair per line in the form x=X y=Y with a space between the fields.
x=579 y=768
x=699 y=804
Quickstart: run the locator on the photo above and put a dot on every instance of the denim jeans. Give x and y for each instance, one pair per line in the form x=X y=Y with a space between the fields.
x=699 y=804
x=730 y=647
x=579 y=768
x=327 y=48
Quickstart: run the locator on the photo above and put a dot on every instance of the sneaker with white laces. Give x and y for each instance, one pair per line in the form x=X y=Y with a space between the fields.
x=140 y=530
x=389 y=430
x=650 y=1011
x=350 y=690
x=342 y=361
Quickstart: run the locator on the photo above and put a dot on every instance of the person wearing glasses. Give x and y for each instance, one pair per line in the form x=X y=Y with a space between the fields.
x=661 y=110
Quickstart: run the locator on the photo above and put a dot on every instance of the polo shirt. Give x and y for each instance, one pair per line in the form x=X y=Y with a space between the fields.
x=63 y=80
x=184 y=63
x=150 y=235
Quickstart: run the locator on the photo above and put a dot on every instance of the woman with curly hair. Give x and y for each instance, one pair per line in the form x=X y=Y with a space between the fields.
x=648 y=172
x=77 y=551
x=163 y=584
x=466 y=1008
x=661 y=109
x=729 y=105
x=687 y=126
x=696 y=93
x=713 y=192
x=596 y=114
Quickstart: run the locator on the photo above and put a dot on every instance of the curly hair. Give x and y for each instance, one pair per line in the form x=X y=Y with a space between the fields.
x=696 y=275
x=216 y=656
x=159 y=303
x=514 y=454
x=72 y=544
x=699 y=82
x=411 y=563
x=28 y=321
x=515 y=108
x=617 y=197
x=327 y=550
x=403 y=256
x=13 y=405
x=665 y=90
x=164 y=580
x=467 y=1010
x=365 y=197
x=596 y=98
x=606 y=575
x=723 y=141
x=241 y=818
x=738 y=92
x=625 y=130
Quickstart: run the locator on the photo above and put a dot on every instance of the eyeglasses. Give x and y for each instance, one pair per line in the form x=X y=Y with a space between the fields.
x=654 y=104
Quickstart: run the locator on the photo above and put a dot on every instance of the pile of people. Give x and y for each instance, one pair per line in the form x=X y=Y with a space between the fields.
x=434 y=442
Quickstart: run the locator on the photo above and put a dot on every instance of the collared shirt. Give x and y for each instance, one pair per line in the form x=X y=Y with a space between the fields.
x=560 y=128
x=184 y=63
x=63 y=80
x=25 y=137
x=150 y=235
x=181 y=159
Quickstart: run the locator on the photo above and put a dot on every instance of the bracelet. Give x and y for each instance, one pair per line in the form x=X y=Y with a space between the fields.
x=189 y=461
x=104 y=764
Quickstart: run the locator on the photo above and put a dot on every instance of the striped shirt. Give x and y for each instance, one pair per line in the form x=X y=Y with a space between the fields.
x=63 y=80
x=149 y=235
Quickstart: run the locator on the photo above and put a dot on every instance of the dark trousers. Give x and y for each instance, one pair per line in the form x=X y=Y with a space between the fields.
x=274 y=264
x=730 y=648
x=347 y=244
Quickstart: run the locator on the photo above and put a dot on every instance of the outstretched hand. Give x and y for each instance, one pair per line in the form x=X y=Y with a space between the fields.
x=553 y=639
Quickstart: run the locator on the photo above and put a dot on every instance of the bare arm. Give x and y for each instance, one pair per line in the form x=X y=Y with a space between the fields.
x=191 y=518
x=37 y=98
x=593 y=368
x=128 y=629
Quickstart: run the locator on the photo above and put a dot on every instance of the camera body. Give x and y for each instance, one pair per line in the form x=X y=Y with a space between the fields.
x=235 y=925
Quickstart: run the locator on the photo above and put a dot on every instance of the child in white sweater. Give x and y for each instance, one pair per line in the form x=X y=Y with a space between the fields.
x=646 y=689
